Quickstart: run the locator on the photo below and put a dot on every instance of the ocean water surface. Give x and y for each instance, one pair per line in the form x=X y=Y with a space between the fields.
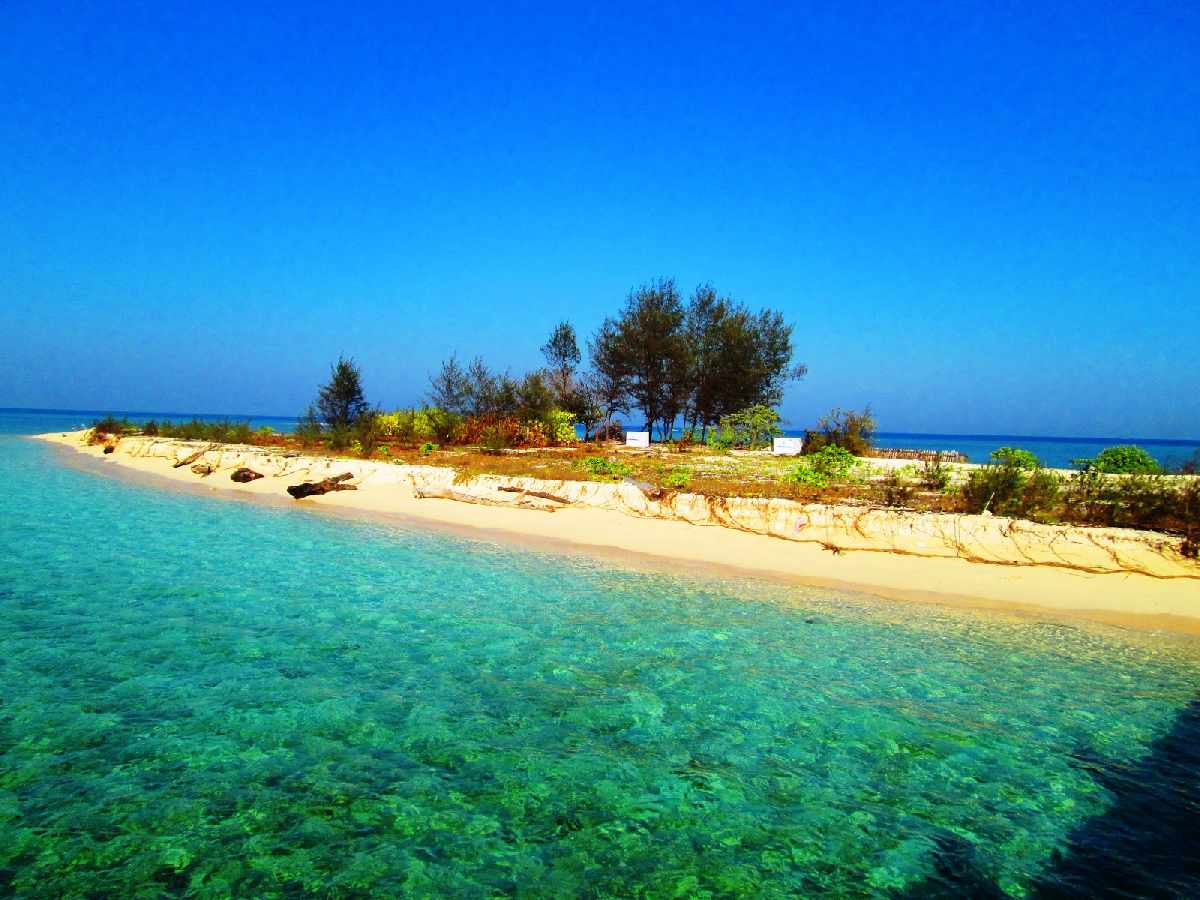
x=208 y=698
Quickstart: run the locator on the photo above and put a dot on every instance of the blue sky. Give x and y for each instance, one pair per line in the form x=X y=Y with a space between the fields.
x=981 y=218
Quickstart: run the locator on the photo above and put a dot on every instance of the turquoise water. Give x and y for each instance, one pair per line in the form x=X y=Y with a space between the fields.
x=209 y=698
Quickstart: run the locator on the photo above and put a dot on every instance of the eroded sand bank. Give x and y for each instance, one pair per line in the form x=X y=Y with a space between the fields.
x=1131 y=578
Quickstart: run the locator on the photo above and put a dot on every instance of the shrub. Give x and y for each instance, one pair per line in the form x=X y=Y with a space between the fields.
x=994 y=487
x=678 y=479
x=748 y=428
x=935 y=474
x=308 y=429
x=560 y=427
x=835 y=463
x=1124 y=459
x=110 y=425
x=1015 y=456
x=602 y=469
x=895 y=491
x=444 y=426
x=367 y=434
x=339 y=437
x=428 y=448
x=848 y=429
x=805 y=476
x=150 y=428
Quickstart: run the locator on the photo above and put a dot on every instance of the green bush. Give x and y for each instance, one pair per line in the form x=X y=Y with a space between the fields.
x=935 y=474
x=1022 y=459
x=678 y=479
x=308 y=429
x=428 y=448
x=835 y=463
x=1125 y=459
x=749 y=428
x=602 y=469
x=560 y=427
x=367 y=434
x=805 y=476
x=853 y=431
x=995 y=488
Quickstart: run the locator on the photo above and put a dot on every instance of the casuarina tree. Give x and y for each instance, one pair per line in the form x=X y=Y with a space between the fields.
x=340 y=401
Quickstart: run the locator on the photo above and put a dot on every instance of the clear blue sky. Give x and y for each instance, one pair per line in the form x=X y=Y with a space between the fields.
x=981 y=218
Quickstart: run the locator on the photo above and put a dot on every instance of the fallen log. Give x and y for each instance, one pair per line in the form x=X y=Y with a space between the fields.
x=521 y=502
x=188 y=460
x=204 y=469
x=244 y=475
x=109 y=448
x=316 y=488
x=542 y=494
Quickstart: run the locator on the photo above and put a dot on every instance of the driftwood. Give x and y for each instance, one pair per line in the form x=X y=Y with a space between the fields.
x=508 y=489
x=522 y=501
x=188 y=460
x=109 y=448
x=244 y=475
x=316 y=488
x=204 y=469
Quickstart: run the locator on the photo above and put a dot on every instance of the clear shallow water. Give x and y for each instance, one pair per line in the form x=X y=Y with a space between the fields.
x=202 y=698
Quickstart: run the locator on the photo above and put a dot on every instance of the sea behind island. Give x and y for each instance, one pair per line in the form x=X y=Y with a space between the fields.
x=1053 y=451
x=206 y=697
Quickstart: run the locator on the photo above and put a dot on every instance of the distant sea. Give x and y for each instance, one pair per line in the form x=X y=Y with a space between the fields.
x=1057 y=452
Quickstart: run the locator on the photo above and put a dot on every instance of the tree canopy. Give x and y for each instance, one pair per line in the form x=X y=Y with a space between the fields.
x=340 y=401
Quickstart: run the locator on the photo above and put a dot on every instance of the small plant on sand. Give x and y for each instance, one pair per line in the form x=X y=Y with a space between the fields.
x=851 y=430
x=427 y=448
x=935 y=475
x=602 y=469
x=678 y=479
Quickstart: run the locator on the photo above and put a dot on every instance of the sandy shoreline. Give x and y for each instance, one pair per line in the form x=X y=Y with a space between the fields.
x=1169 y=603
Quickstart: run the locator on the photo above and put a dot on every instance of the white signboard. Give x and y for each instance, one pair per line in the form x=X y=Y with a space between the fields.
x=637 y=439
x=787 y=446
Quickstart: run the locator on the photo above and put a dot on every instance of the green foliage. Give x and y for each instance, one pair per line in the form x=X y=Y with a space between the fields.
x=150 y=428
x=562 y=357
x=428 y=448
x=847 y=429
x=834 y=463
x=935 y=474
x=804 y=475
x=340 y=401
x=602 y=469
x=339 y=437
x=750 y=428
x=444 y=426
x=1124 y=459
x=1022 y=459
x=308 y=429
x=367 y=434
x=1007 y=488
x=678 y=479
x=109 y=425
x=560 y=427
x=895 y=491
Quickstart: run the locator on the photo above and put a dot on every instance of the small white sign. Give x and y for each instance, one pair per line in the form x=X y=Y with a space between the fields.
x=787 y=446
x=637 y=439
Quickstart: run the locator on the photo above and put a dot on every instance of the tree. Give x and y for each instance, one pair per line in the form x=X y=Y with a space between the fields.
x=740 y=359
x=653 y=352
x=450 y=389
x=340 y=401
x=562 y=358
x=608 y=382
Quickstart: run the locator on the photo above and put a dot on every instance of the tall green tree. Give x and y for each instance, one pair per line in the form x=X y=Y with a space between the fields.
x=653 y=353
x=608 y=382
x=340 y=401
x=562 y=358
x=450 y=388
